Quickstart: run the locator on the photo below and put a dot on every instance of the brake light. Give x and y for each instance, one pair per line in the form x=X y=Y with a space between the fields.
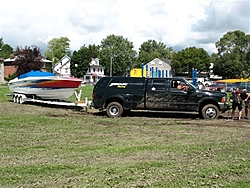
x=93 y=96
x=223 y=99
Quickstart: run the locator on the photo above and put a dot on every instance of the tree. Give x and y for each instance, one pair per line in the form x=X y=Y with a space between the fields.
x=233 y=57
x=117 y=55
x=57 y=48
x=27 y=59
x=150 y=50
x=6 y=50
x=81 y=59
x=1 y=43
x=191 y=58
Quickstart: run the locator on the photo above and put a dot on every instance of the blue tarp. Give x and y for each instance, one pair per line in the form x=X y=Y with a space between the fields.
x=35 y=74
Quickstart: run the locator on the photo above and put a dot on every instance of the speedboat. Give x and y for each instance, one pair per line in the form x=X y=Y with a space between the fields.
x=44 y=85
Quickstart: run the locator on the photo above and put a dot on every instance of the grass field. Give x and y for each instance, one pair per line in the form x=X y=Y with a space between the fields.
x=58 y=147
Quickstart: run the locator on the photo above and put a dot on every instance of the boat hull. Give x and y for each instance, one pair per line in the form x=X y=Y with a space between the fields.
x=45 y=88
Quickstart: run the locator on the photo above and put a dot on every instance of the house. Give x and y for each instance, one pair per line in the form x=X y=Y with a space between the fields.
x=159 y=68
x=94 y=72
x=62 y=68
x=1 y=70
x=155 y=68
x=7 y=68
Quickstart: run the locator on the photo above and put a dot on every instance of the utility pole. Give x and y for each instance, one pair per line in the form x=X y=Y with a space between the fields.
x=110 y=65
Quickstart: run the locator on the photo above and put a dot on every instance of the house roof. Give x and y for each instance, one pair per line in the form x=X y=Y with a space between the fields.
x=166 y=60
x=13 y=59
x=64 y=57
x=96 y=66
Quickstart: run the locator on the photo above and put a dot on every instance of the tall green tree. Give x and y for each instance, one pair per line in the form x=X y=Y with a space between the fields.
x=1 y=43
x=6 y=50
x=150 y=50
x=233 y=57
x=117 y=55
x=27 y=59
x=191 y=58
x=80 y=60
x=57 y=48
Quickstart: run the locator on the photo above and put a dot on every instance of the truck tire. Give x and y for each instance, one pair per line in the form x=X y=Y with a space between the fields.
x=114 y=109
x=210 y=111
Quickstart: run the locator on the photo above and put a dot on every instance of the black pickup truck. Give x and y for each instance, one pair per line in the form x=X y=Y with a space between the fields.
x=117 y=95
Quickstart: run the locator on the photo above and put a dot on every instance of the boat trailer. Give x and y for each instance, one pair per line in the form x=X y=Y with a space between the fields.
x=22 y=98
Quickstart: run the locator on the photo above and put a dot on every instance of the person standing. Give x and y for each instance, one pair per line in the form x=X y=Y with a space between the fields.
x=200 y=86
x=236 y=101
x=246 y=98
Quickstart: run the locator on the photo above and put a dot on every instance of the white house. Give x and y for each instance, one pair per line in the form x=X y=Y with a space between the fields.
x=158 y=68
x=94 y=72
x=62 y=68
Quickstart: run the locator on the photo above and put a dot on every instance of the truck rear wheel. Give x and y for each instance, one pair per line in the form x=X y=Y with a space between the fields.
x=210 y=111
x=114 y=109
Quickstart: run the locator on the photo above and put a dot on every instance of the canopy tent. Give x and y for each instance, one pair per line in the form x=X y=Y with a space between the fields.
x=230 y=81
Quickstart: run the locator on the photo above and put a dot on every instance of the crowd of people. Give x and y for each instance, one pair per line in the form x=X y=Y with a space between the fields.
x=240 y=100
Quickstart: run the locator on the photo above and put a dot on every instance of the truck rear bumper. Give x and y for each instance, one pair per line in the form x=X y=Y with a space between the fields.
x=223 y=106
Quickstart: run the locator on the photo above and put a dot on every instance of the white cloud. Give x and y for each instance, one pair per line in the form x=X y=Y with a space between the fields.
x=178 y=24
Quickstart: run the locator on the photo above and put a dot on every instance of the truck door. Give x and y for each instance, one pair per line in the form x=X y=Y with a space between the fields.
x=179 y=97
x=169 y=94
x=157 y=94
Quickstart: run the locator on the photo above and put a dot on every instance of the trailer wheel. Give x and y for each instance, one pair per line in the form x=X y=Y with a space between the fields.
x=114 y=109
x=15 y=98
x=20 y=100
x=210 y=111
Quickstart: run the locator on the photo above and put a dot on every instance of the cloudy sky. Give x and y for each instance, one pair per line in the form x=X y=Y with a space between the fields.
x=177 y=23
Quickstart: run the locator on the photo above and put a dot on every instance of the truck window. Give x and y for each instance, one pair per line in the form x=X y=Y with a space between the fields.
x=174 y=84
x=179 y=85
x=158 y=84
x=103 y=83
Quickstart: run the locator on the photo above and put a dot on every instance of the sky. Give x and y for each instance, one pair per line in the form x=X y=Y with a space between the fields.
x=176 y=23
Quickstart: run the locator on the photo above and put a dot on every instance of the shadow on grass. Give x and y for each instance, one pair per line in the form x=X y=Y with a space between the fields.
x=157 y=114
x=164 y=114
x=74 y=108
x=133 y=113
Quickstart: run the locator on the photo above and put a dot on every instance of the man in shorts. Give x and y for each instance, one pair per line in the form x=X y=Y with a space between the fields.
x=246 y=98
x=236 y=101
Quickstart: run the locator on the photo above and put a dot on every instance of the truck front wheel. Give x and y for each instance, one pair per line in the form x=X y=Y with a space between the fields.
x=210 y=111
x=114 y=109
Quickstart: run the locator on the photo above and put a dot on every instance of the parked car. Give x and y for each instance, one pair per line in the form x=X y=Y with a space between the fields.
x=244 y=85
x=208 y=83
x=217 y=87
x=229 y=87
